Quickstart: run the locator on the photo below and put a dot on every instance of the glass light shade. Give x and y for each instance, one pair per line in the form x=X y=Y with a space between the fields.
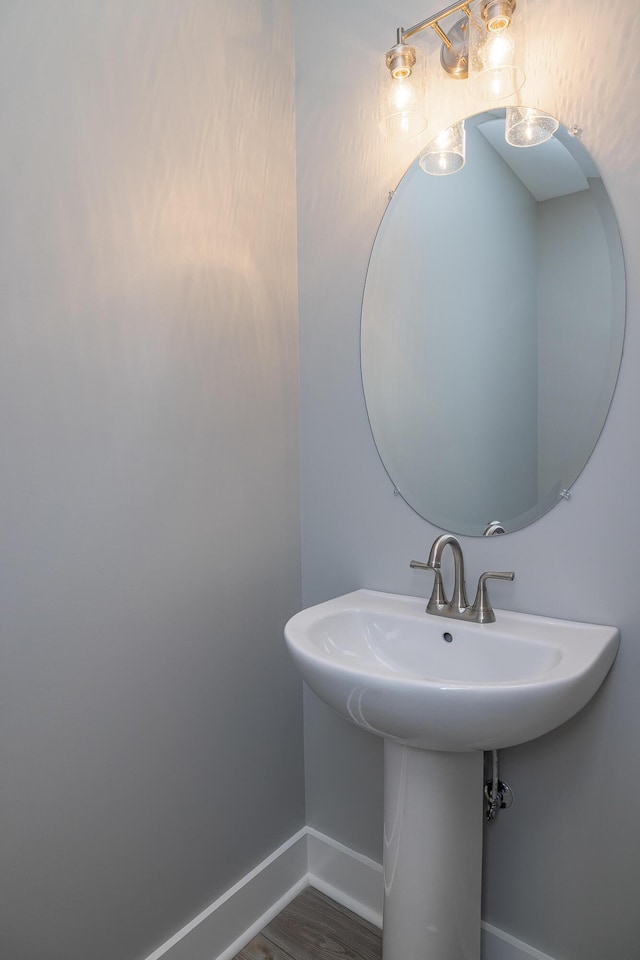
x=526 y=126
x=446 y=153
x=494 y=47
x=401 y=99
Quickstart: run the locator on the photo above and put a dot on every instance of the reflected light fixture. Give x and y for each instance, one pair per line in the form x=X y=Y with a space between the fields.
x=483 y=45
x=446 y=153
x=527 y=127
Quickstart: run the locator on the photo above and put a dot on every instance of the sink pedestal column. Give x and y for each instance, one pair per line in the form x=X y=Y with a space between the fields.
x=433 y=822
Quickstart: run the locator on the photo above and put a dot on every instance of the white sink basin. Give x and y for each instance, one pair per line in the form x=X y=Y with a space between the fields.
x=439 y=684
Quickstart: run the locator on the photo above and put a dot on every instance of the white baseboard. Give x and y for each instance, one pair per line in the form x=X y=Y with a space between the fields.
x=309 y=858
x=356 y=882
x=347 y=877
x=225 y=927
x=498 y=945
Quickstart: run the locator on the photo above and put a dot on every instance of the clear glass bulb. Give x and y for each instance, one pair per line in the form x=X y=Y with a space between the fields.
x=494 y=69
x=401 y=99
x=402 y=95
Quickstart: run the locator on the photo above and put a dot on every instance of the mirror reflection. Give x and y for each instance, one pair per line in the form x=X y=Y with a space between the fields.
x=492 y=329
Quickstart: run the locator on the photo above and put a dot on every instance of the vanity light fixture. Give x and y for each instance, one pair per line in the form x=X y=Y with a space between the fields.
x=527 y=127
x=483 y=45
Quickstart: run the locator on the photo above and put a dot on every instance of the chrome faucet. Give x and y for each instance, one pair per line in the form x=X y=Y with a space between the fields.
x=458 y=608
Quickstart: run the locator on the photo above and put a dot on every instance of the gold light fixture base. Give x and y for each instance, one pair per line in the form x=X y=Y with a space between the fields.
x=497 y=14
x=401 y=60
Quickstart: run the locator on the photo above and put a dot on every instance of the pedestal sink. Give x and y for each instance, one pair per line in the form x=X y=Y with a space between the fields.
x=441 y=692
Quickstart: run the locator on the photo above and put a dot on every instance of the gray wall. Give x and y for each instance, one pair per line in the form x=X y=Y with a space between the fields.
x=150 y=735
x=574 y=298
x=563 y=865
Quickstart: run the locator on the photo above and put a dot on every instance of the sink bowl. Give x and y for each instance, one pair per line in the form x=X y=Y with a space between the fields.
x=439 y=684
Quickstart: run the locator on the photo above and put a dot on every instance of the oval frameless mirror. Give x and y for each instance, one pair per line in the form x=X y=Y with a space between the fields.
x=492 y=330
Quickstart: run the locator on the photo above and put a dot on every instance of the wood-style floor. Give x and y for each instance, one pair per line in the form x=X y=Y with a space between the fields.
x=313 y=927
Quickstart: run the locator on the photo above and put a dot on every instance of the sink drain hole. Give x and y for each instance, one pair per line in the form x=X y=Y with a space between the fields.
x=447 y=637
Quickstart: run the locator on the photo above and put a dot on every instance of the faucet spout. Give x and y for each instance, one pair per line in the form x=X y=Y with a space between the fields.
x=459 y=603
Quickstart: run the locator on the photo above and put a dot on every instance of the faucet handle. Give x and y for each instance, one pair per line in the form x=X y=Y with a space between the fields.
x=482 y=611
x=438 y=598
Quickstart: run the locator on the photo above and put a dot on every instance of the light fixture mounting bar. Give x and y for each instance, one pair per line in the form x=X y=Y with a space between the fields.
x=434 y=22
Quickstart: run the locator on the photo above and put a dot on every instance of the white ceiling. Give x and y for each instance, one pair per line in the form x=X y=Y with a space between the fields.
x=547 y=170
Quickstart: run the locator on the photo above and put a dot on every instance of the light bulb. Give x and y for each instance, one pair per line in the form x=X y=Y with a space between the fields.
x=494 y=40
x=498 y=51
x=401 y=95
x=401 y=92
